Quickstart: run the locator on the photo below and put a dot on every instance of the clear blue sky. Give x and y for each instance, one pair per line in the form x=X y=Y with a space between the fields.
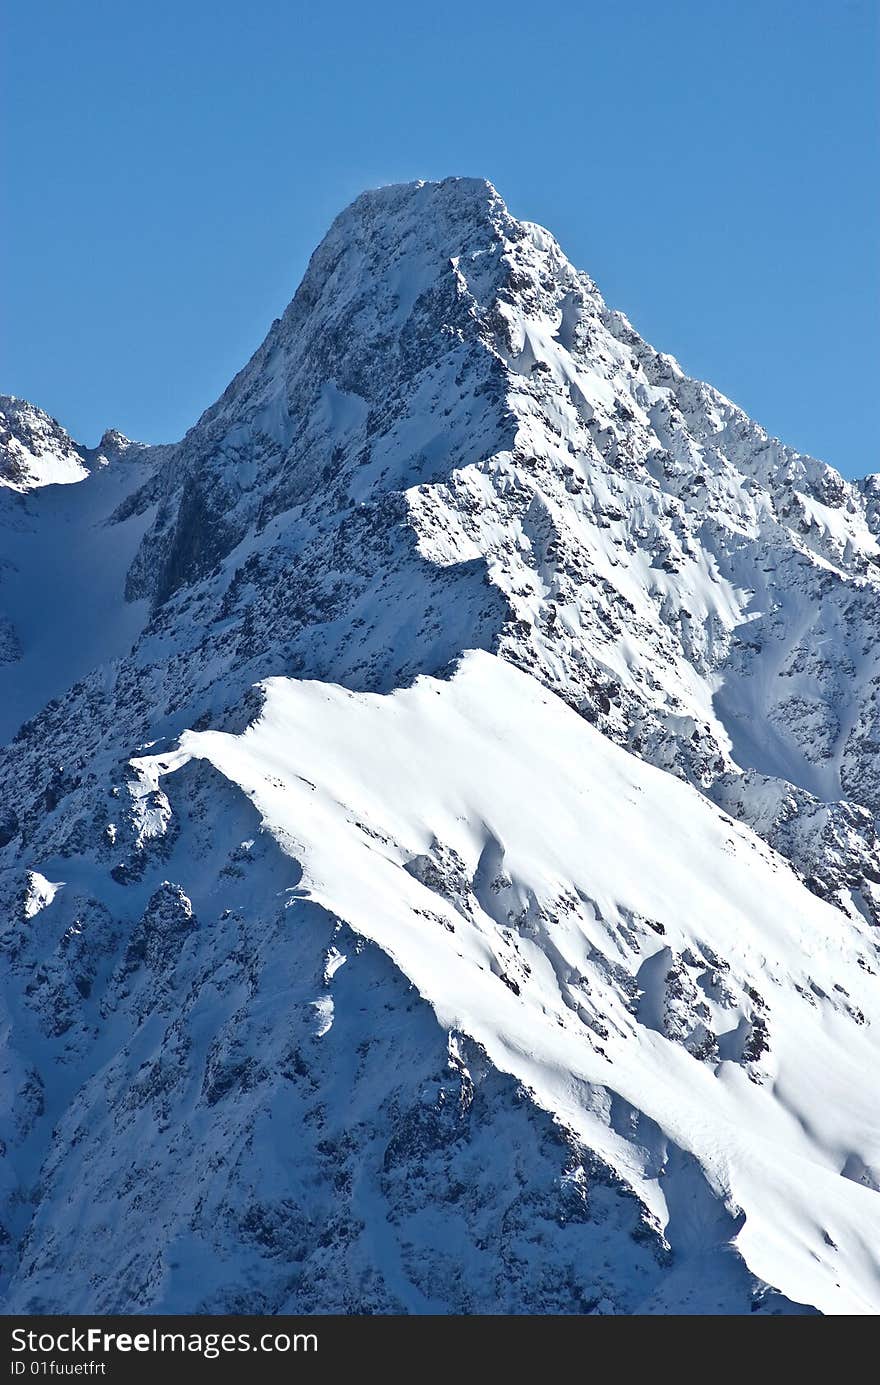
x=170 y=166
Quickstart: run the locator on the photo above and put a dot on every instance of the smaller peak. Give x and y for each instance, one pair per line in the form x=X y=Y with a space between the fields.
x=14 y=407
x=27 y=421
x=113 y=443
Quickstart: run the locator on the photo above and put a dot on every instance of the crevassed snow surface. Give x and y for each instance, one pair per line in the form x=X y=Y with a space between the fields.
x=567 y=878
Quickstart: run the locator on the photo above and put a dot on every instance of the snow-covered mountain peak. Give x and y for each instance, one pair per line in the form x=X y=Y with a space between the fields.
x=444 y=368
x=34 y=449
x=414 y=273
x=115 y=444
x=348 y=880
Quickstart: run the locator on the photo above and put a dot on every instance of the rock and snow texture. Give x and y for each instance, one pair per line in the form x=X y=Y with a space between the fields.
x=39 y=893
x=636 y=960
x=34 y=449
x=465 y=802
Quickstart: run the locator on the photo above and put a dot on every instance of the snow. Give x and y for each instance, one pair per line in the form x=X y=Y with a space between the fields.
x=565 y=840
x=40 y=893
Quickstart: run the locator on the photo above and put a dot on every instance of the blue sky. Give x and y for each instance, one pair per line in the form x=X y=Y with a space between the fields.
x=169 y=167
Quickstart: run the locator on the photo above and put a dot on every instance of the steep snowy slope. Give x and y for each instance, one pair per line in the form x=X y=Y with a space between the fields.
x=62 y=571
x=650 y=971
x=624 y=1047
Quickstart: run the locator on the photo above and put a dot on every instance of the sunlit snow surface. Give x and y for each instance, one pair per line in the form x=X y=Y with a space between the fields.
x=574 y=874
x=40 y=893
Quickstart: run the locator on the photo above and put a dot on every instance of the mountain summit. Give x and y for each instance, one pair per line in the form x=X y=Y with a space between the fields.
x=445 y=878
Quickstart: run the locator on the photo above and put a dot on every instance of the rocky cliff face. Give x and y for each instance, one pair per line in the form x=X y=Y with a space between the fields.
x=448 y=443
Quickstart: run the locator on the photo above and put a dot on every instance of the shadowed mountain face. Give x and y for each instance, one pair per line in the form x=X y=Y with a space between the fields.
x=449 y=462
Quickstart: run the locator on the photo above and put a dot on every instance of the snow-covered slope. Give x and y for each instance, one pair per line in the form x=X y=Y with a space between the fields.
x=595 y=1046
x=646 y=968
x=62 y=568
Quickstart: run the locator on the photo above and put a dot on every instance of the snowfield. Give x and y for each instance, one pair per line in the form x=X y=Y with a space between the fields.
x=438 y=837
x=565 y=905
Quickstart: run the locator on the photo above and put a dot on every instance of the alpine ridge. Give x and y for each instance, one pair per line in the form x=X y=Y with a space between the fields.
x=438 y=850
